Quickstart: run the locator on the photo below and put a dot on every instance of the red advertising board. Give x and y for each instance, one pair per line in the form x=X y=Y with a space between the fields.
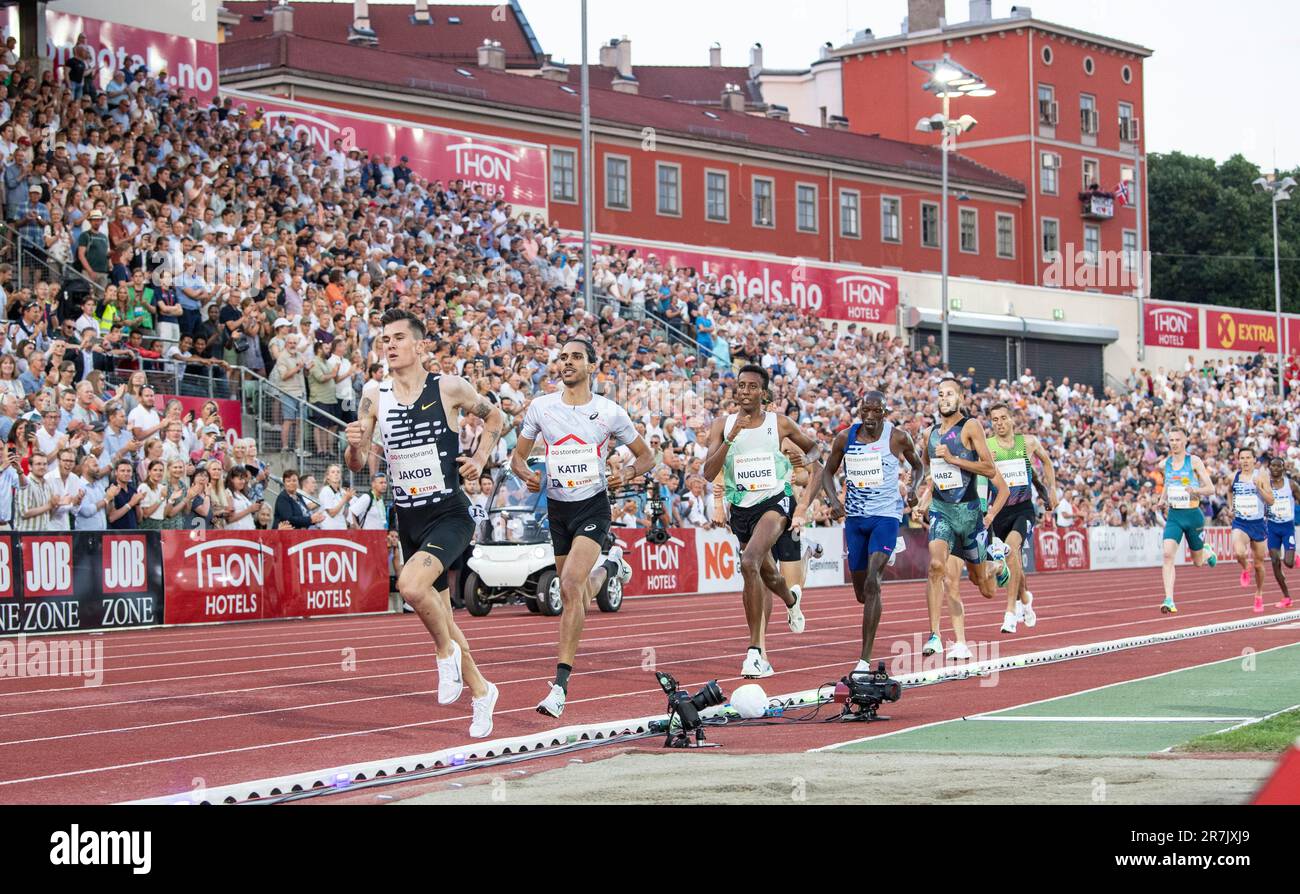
x=324 y=575
x=190 y=64
x=835 y=293
x=6 y=568
x=1061 y=549
x=125 y=563
x=1167 y=326
x=253 y=575
x=507 y=169
x=669 y=567
x=1293 y=335
x=47 y=566
x=232 y=412
x=1233 y=331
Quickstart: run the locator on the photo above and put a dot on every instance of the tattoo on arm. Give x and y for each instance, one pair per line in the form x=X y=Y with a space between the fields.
x=365 y=407
x=428 y=560
x=482 y=409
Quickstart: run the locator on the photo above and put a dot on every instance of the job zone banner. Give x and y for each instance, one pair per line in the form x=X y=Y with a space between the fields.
x=1061 y=549
x=659 y=568
x=68 y=581
x=257 y=575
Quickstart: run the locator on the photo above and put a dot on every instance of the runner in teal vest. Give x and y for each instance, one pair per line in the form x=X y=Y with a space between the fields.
x=1186 y=481
x=746 y=448
x=956 y=452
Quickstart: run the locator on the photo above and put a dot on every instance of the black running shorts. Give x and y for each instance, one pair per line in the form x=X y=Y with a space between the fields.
x=444 y=534
x=1015 y=517
x=745 y=518
x=588 y=518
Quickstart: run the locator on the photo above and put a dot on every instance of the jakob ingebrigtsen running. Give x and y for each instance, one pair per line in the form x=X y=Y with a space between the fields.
x=580 y=431
x=418 y=416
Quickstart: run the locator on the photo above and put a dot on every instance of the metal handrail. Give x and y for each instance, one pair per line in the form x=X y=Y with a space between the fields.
x=60 y=271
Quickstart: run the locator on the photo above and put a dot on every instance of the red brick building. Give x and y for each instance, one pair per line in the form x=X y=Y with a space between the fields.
x=1067 y=115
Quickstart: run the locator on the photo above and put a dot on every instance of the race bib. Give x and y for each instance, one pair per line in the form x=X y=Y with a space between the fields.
x=573 y=465
x=1180 y=497
x=1283 y=507
x=944 y=475
x=1246 y=505
x=754 y=471
x=864 y=470
x=1015 y=472
x=417 y=470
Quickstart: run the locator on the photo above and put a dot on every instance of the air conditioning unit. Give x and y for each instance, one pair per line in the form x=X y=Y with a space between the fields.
x=1048 y=111
x=1088 y=121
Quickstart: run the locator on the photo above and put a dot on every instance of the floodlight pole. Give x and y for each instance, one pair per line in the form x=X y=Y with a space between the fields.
x=588 y=180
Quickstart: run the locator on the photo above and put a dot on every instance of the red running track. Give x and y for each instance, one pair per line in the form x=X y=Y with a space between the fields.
x=214 y=706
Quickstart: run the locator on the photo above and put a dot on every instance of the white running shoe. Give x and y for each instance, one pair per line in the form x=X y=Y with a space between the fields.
x=794 y=614
x=1031 y=617
x=624 y=569
x=1009 y=622
x=450 y=684
x=933 y=645
x=755 y=665
x=1020 y=610
x=959 y=652
x=553 y=704
x=481 y=727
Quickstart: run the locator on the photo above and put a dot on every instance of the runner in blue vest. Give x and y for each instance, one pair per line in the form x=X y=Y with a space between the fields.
x=1248 y=497
x=871 y=451
x=1281 y=523
x=1186 y=479
x=956 y=452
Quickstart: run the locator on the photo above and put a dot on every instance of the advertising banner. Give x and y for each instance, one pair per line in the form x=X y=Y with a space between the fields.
x=257 y=575
x=1218 y=539
x=660 y=568
x=911 y=558
x=191 y=64
x=1168 y=326
x=1061 y=549
x=1235 y=331
x=832 y=292
x=62 y=582
x=1127 y=548
x=232 y=411
x=718 y=558
x=507 y=169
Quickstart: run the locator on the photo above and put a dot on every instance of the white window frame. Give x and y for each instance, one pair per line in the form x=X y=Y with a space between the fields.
x=726 y=195
x=938 y=225
x=1083 y=104
x=962 y=213
x=557 y=151
x=997 y=234
x=627 y=160
x=799 y=207
x=1049 y=256
x=896 y=202
x=659 y=209
x=1128 y=259
x=1092 y=256
x=1056 y=172
x=857 y=213
x=1084 y=171
x=754 y=180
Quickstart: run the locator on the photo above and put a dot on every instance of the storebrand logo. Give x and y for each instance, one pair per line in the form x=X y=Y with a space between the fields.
x=77 y=848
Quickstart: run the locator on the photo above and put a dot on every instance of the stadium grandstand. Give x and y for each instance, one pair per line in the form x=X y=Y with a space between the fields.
x=204 y=260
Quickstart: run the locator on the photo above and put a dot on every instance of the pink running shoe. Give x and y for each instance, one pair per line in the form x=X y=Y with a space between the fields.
x=1245 y=578
x=1285 y=603
x=1259 y=605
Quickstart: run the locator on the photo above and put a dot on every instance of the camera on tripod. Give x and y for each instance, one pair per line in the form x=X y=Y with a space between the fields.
x=861 y=693
x=658 y=532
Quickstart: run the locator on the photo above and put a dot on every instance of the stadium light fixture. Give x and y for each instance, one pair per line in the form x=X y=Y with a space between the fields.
x=1278 y=191
x=948 y=80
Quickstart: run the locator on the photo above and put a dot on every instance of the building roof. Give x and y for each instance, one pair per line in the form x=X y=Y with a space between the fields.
x=392 y=25
x=968 y=28
x=696 y=84
x=359 y=66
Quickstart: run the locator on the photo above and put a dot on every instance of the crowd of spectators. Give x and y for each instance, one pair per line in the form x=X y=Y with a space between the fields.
x=211 y=242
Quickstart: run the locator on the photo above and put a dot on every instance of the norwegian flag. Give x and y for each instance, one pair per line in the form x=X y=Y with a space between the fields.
x=1121 y=193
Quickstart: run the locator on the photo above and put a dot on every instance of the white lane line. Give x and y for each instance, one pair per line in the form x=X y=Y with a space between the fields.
x=1037 y=719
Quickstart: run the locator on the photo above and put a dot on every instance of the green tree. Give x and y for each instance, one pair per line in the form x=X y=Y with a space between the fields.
x=1211 y=233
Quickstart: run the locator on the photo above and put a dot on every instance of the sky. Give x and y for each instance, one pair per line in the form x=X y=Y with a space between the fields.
x=1211 y=85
